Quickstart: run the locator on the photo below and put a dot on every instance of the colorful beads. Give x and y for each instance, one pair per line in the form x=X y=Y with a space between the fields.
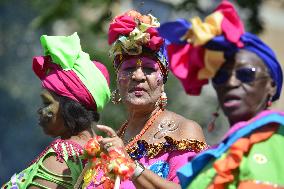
x=72 y=148
x=134 y=140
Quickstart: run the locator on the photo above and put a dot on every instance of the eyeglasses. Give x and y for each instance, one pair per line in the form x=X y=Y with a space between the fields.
x=245 y=75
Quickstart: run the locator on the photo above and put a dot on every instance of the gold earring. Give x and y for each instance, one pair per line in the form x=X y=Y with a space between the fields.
x=115 y=97
x=163 y=100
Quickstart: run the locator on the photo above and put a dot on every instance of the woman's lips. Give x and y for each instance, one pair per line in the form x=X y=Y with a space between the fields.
x=138 y=91
x=231 y=101
x=43 y=121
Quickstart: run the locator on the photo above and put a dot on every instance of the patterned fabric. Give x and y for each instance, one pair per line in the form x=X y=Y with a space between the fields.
x=164 y=162
x=242 y=157
x=68 y=71
x=143 y=149
x=65 y=151
x=197 y=49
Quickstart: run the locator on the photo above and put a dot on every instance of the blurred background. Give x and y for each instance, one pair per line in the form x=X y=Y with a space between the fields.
x=23 y=22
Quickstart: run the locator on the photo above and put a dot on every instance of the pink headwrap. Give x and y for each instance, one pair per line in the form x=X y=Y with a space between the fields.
x=65 y=83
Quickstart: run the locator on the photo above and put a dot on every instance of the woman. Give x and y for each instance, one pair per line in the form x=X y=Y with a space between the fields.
x=74 y=91
x=247 y=78
x=159 y=140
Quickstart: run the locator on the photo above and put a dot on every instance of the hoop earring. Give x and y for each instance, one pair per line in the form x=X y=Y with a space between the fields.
x=163 y=101
x=115 y=97
x=211 y=124
x=269 y=102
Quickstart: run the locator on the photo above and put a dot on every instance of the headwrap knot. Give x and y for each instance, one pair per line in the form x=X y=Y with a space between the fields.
x=197 y=49
x=68 y=71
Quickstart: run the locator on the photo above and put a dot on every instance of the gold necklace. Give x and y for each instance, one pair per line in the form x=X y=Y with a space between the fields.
x=148 y=124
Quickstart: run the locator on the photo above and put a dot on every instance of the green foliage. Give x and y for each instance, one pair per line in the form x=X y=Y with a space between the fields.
x=252 y=7
x=75 y=10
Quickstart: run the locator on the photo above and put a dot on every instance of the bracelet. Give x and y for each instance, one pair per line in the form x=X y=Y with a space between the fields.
x=138 y=170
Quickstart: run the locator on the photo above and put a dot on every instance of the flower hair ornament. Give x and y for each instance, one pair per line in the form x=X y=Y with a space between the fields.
x=134 y=34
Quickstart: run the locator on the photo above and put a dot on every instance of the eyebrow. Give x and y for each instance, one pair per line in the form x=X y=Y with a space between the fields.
x=127 y=64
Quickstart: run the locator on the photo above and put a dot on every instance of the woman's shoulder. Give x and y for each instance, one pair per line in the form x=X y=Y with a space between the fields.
x=187 y=129
x=62 y=149
x=64 y=159
x=61 y=157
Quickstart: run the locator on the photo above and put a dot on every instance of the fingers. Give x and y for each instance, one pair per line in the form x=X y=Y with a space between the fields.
x=109 y=131
x=114 y=142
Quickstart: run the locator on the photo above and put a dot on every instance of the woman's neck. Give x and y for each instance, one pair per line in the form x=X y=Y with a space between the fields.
x=246 y=117
x=137 y=119
x=84 y=135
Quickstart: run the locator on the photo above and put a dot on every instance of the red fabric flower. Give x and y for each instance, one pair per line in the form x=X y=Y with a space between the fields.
x=92 y=147
x=231 y=25
x=122 y=25
x=186 y=61
x=155 y=41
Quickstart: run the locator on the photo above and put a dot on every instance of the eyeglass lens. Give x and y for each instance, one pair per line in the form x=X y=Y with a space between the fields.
x=245 y=75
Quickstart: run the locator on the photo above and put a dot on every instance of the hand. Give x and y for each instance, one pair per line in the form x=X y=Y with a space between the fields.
x=111 y=142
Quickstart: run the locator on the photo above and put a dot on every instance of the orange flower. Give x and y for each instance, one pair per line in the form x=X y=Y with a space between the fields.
x=142 y=18
x=93 y=147
x=134 y=14
x=108 y=183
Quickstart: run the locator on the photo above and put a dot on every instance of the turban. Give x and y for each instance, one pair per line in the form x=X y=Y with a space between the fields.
x=197 y=49
x=68 y=71
x=133 y=34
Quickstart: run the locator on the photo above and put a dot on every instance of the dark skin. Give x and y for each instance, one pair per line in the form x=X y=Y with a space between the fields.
x=242 y=101
x=50 y=118
x=54 y=127
x=140 y=86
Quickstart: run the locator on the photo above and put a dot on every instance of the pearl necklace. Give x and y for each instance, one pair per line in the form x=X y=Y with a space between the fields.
x=148 y=124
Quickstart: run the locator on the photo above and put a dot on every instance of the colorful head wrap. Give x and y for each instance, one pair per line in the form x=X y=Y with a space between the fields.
x=68 y=71
x=132 y=34
x=198 y=49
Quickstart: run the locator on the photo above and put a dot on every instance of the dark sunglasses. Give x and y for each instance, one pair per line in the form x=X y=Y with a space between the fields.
x=245 y=75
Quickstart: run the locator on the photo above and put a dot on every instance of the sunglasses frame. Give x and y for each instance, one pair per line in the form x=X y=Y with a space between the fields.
x=239 y=76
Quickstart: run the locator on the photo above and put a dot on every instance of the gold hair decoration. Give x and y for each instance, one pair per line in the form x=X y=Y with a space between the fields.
x=139 y=62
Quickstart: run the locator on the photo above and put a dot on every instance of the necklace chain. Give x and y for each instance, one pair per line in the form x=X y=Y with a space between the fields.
x=148 y=124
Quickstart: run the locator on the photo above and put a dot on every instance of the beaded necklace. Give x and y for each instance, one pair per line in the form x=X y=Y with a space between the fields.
x=148 y=124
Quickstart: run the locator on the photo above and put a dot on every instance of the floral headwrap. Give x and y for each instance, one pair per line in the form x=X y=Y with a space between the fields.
x=133 y=34
x=68 y=71
x=198 y=49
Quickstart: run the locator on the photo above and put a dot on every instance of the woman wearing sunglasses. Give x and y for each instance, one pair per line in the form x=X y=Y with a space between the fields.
x=247 y=78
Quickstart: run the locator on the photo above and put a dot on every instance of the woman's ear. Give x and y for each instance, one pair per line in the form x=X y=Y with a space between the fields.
x=273 y=88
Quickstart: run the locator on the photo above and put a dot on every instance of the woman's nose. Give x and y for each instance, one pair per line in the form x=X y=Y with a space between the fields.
x=39 y=111
x=138 y=74
x=233 y=81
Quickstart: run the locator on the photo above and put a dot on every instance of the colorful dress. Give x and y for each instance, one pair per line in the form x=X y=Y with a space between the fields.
x=65 y=151
x=164 y=158
x=249 y=156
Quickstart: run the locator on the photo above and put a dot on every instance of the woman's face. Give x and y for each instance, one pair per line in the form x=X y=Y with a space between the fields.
x=243 y=86
x=50 y=118
x=140 y=81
